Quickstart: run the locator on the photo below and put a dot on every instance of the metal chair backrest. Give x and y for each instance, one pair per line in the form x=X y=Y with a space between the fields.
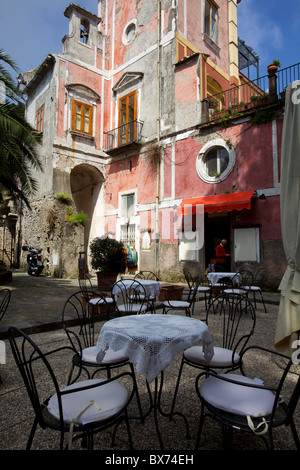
x=260 y=277
x=35 y=370
x=247 y=278
x=231 y=319
x=85 y=283
x=78 y=318
x=129 y=293
x=5 y=295
x=188 y=277
x=146 y=275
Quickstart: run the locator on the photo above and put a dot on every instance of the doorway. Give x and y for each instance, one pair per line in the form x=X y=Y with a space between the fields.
x=216 y=227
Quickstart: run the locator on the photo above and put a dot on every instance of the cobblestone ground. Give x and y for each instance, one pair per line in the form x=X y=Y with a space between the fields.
x=16 y=414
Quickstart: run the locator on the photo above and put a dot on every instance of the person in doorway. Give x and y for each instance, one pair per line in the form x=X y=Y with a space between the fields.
x=222 y=256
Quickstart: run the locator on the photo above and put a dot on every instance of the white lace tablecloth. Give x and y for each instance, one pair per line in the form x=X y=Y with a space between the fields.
x=215 y=277
x=152 y=340
x=152 y=287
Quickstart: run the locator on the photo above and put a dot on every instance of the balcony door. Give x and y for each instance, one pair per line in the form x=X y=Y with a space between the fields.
x=127 y=118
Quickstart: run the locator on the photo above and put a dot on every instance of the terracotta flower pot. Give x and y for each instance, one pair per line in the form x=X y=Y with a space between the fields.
x=106 y=281
x=272 y=68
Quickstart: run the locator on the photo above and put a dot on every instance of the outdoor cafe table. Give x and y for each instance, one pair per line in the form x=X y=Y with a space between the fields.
x=215 y=277
x=151 y=342
x=152 y=287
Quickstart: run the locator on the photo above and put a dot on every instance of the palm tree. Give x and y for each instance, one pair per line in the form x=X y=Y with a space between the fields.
x=19 y=156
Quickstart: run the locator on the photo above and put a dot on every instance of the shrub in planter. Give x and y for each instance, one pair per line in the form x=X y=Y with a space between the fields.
x=108 y=257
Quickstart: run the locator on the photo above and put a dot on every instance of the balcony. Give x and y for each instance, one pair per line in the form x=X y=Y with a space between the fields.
x=128 y=134
x=251 y=94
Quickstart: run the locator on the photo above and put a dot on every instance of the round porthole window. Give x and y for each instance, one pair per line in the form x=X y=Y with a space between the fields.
x=129 y=32
x=215 y=161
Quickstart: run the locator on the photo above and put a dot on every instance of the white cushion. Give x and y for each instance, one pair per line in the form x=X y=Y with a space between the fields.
x=177 y=304
x=252 y=288
x=203 y=289
x=99 y=301
x=234 y=291
x=111 y=398
x=132 y=308
x=237 y=399
x=111 y=357
x=222 y=357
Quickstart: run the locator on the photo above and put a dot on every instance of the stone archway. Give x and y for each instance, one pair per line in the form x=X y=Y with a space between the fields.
x=87 y=190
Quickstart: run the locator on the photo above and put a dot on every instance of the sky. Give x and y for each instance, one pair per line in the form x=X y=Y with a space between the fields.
x=31 y=29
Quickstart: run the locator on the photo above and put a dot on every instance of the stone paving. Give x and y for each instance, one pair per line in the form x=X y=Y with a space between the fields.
x=36 y=307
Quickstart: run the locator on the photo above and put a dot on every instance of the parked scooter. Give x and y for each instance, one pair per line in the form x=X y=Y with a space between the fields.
x=34 y=261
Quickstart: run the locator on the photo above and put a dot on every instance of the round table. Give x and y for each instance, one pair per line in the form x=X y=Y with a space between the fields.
x=151 y=342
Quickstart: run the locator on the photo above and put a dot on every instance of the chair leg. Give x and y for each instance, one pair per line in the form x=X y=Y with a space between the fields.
x=263 y=302
x=295 y=434
x=200 y=427
x=32 y=432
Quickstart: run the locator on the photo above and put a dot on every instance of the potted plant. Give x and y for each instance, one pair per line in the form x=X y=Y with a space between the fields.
x=108 y=259
x=273 y=67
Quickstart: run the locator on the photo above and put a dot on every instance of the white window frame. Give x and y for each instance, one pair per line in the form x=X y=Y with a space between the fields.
x=200 y=161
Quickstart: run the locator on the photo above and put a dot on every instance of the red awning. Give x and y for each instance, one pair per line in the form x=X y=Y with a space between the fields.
x=217 y=203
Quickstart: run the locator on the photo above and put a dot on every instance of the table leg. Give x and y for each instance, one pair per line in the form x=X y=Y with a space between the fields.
x=155 y=405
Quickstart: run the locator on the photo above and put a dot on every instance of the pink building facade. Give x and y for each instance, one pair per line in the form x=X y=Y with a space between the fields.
x=129 y=131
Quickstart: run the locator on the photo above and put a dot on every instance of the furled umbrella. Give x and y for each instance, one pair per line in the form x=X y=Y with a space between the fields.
x=287 y=332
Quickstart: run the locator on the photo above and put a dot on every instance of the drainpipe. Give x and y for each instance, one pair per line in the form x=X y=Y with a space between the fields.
x=158 y=139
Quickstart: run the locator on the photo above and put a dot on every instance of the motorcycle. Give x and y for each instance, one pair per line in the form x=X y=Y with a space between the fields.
x=34 y=261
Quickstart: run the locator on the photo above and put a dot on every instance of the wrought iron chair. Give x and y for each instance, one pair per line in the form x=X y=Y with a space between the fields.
x=5 y=296
x=93 y=298
x=205 y=290
x=130 y=297
x=81 y=409
x=202 y=289
x=148 y=276
x=188 y=304
x=250 y=405
x=260 y=278
x=234 y=285
x=231 y=323
x=81 y=330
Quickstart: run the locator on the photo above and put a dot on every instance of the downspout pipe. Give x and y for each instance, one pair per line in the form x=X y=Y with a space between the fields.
x=157 y=231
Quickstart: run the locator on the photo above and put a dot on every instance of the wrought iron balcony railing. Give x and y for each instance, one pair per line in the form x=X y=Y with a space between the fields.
x=126 y=134
x=251 y=94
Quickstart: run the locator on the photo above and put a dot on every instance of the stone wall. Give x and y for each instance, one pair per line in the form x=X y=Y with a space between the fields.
x=46 y=227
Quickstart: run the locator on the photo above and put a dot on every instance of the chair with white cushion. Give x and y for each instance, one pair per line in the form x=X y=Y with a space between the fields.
x=255 y=288
x=79 y=410
x=231 y=323
x=234 y=286
x=94 y=299
x=250 y=404
x=130 y=297
x=202 y=289
x=148 y=276
x=186 y=304
x=82 y=330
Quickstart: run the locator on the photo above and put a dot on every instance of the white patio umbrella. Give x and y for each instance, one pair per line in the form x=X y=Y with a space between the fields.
x=288 y=321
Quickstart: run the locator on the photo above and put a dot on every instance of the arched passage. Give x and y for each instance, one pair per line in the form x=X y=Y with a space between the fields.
x=87 y=191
